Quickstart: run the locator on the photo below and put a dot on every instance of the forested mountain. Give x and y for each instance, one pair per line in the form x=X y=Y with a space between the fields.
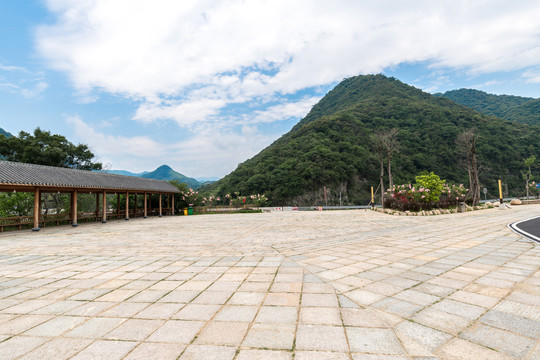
x=333 y=146
x=165 y=172
x=514 y=108
x=5 y=133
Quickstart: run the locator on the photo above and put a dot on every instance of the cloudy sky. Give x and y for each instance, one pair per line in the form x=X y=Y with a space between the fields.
x=204 y=85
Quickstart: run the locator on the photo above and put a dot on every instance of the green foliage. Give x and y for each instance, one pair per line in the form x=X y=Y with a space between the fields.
x=331 y=146
x=514 y=108
x=45 y=148
x=16 y=204
x=432 y=185
x=429 y=192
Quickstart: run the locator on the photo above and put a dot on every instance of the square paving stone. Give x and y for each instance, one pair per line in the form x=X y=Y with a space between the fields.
x=159 y=311
x=440 y=320
x=270 y=336
x=467 y=311
x=320 y=355
x=459 y=349
x=320 y=316
x=374 y=341
x=237 y=313
x=124 y=309
x=106 y=349
x=208 y=352
x=213 y=297
x=197 y=312
x=252 y=354
x=146 y=350
x=502 y=340
x=364 y=297
x=361 y=318
x=95 y=328
x=429 y=338
x=399 y=307
x=176 y=331
x=58 y=348
x=223 y=333
x=320 y=337
x=56 y=326
x=320 y=300
x=277 y=315
x=19 y=345
x=282 y=299
x=517 y=324
x=246 y=298
x=134 y=329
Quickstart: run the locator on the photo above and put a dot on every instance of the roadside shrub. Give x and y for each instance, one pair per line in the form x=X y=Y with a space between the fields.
x=429 y=192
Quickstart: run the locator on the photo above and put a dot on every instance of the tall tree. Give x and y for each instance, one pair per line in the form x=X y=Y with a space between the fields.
x=466 y=142
x=527 y=175
x=44 y=148
x=391 y=146
x=378 y=144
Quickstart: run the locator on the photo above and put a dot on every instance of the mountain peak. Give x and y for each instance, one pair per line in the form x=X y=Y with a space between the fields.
x=164 y=167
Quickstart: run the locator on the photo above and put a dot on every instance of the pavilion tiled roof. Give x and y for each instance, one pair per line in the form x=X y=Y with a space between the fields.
x=15 y=173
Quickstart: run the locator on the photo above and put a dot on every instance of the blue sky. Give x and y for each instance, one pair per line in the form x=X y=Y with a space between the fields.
x=204 y=85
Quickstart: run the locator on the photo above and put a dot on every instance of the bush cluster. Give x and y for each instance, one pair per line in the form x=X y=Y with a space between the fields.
x=429 y=192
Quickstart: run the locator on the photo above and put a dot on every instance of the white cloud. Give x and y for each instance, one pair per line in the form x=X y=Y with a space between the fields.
x=189 y=61
x=126 y=152
x=162 y=48
x=19 y=80
x=212 y=152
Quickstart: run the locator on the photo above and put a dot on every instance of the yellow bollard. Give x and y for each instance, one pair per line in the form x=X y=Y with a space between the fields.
x=372 y=199
x=501 y=205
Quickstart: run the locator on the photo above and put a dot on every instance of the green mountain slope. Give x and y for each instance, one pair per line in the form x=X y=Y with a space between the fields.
x=332 y=146
x=164 y=172
x=5 y=133
x=514 y=108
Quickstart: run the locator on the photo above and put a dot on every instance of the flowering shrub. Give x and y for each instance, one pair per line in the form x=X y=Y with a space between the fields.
x=259 y=199
x=189 y=197
x=533 y=190
x=429 y=192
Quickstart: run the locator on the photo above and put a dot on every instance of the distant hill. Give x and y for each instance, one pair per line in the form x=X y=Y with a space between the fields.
x=127 y=173
x=525 y=110
x=164 y=172
x=332 y=147
x=5 y=133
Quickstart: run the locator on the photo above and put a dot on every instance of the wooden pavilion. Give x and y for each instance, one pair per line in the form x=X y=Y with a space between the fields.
x=39 y=179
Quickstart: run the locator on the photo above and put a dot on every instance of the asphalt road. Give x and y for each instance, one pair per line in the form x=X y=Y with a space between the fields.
x=529 y=228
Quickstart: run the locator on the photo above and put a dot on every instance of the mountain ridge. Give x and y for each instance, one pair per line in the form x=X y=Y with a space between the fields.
x=521 y=109
x=329 y=153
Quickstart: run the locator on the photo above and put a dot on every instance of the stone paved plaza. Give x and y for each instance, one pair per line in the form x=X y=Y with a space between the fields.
x=288 y=285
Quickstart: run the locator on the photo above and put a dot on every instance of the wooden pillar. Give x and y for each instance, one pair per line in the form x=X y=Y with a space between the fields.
x=97 y=207
x=37 y=209
x=135 y=205
x=74 y=208
x=150 y=203
x=145 y=206
x=104 y=208
x=127 y=206
x=117 y=206
x=160 y=205
x=172 y=208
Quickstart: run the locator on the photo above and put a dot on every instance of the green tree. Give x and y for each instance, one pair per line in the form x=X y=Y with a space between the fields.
x=44 y=148
x=527 y=175
x=16 y=204
x=433 y=183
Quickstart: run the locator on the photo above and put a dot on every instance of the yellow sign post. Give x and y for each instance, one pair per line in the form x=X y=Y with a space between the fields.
x=501 y=205
x=372 y=198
